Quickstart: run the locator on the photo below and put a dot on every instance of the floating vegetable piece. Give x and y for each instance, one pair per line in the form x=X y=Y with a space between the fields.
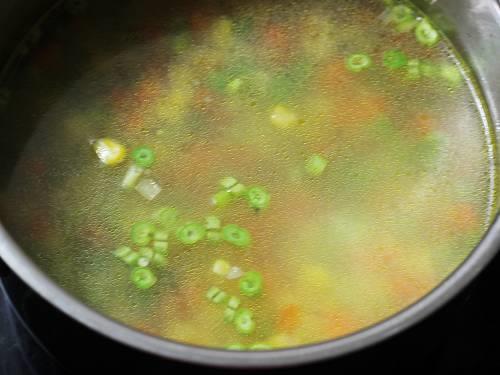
x=143 y=278
x=258 y=197
x=227 y=183
x=426 y=34
x=109 y=151
x=143 y=156
x=395 y=59
x=358 y=62
x=191 y=233
x=451 y=73
x=148 y=188
x=316 y=165
x=237 y=347
x=216 y=295
x=213 y=223
x=234 y=273
x=236 y=235
x=283 y=118
x=221 y=267
x=166 y=216
x=251 y=284
x=142 y=233
x=214 y=236
x=132 y=176
x=221 y=198
x=260 y=346
x=244 y=322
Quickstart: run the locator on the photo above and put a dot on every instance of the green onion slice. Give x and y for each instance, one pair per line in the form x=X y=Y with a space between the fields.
x=358 y=62
x=143 y=278
x=142 y=233
x=143 y=156
x=236 y=235
x=426 y=34
x=258 y=198
x=244 y=321
x=251 y=284
x=191 y=233
x=395 y=59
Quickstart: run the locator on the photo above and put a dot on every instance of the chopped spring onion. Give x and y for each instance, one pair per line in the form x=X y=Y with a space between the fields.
x=244 y=321
x=143 y=156
x=233 y=303
x=395 y=59
x=358 y=62
x=216 y=295
x=426 y=34
x=166 y=216
x=213 y=223
x=221 y=199
x=221 y=267
x=143 y=262
x=403 y=18
x=451 y=73
x=132 y=176
x=146 y=252
x=234 y=273
x=236 y=235
x=109 y=151
x=132 y=258
x=143 y=278
x=228 y=182
x=316 y=165
x=260 y=346
x=414 y=69
x=127 y=255
x=238 y=190
x=142 y=233
x=214 y=236
x=251 y=284
x=148 y=188
x=229 y=315
x=191 y=233
x=159 y=260
x=235 y=347
x=283 y=118
x=258 y=197
x=161 y=247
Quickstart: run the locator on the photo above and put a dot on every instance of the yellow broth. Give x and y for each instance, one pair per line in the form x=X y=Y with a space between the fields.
x=405 y=197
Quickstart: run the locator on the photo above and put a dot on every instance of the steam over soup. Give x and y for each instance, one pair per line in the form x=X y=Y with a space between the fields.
x=246 y=175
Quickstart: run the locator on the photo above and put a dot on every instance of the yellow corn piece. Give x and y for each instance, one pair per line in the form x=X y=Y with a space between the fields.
x=109 y=151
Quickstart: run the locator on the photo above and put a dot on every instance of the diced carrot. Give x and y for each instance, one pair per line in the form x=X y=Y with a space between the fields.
x=289 y=318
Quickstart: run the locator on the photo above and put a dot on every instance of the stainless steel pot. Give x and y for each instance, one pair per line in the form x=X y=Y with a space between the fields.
x=474 y=27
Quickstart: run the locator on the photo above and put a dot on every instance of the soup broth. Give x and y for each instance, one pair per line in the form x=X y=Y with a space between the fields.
x=246 y=175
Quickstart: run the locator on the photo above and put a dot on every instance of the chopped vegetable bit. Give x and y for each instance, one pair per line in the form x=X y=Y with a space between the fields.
x=132 y=176
x=316 y=165
x=146 y=252
x=426 y=34
x=358 y=62
x=109 y=151
x=143 y=278
x=161 y=247
x=395 y=59
x=229 y=315
x=251 y=284
x=414 y=69
x=221 y=199
x=216 y=295
x=283 y=118
x=122 y=251
x=191 y=233
x=132 y=258
x=260 y=346
x=234 y=273
x=228 y=182
x=236 y=235
x=451 y=73
x=161 y=235
x=244 y=321
x=238 y=190
x=143 y=156
x=221 y=267
x=213 y=223
x=159 y=260
x=143 y=262
x=166 y=216
x=258 y=197
x=403 y=18
x=148 y=188
x=233 y=303
x=142 y=233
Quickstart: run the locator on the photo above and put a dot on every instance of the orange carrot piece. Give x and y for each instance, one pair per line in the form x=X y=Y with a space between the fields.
x=289 y=318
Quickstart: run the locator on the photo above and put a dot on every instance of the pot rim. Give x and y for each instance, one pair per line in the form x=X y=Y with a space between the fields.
x=34 y=277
